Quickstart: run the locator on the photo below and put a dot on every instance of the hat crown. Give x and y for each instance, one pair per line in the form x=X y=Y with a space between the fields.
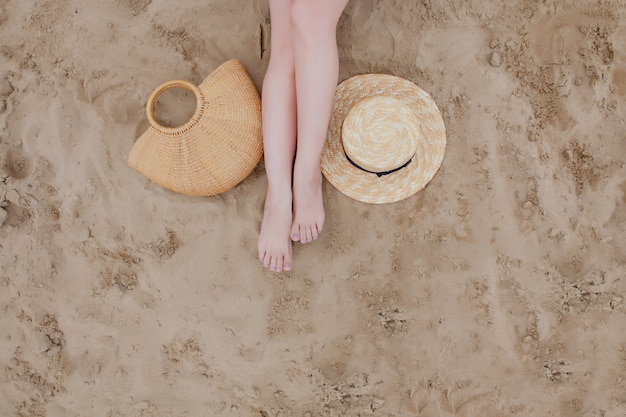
x=380 y=134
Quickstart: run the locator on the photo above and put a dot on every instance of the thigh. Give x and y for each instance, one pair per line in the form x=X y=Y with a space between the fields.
x=280 y=20
x=334 y=7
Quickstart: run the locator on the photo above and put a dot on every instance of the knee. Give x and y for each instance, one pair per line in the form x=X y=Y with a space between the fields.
x=310 y=18
x=282 y=51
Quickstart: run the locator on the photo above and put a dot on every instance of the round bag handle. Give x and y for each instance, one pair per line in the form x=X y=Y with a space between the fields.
x=200 y=104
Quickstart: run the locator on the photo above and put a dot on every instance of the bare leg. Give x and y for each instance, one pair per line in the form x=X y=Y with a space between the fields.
x=279 y=141
x=317 y=68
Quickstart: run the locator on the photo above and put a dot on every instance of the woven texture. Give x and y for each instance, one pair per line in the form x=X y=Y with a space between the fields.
x=380 y=134
x=425 y=127
x=217 y=148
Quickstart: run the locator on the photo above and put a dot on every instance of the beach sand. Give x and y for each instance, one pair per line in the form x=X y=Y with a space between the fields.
x=498 y=290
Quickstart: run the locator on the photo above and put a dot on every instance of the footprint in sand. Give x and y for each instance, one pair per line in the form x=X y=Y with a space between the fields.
x=392 y=319
x=5 y=86
x=138 y=6
x=15 y=214
x=557 y=370
x=17 y=163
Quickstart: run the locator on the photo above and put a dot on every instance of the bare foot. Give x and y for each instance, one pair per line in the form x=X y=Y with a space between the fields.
x=274 y=245
x=308 y=209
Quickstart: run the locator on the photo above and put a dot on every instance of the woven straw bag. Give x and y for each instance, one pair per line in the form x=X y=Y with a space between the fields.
x=217 y=148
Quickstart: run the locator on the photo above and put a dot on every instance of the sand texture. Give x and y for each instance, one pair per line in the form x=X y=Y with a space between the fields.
x=498 y=290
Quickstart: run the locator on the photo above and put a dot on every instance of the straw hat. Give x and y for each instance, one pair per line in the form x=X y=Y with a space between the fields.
x=386 y=139
x=217 y=148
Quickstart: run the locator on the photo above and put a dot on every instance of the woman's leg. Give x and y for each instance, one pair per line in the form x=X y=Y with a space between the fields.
x=314 y=26
x=279 y=141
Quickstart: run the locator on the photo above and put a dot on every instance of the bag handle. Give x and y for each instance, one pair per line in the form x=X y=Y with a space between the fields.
x=200 y=106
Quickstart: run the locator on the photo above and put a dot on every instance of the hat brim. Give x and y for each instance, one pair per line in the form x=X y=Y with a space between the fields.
x=369 y=187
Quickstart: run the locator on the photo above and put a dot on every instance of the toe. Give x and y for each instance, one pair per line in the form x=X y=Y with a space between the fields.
x=273 y=263
x=279 y=264
x=287 y=260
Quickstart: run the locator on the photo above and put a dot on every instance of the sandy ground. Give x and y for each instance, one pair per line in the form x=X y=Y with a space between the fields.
x=498 y=290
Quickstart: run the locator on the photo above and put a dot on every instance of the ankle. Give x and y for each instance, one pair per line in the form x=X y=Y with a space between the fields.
x=278 y=195
x=311 y=174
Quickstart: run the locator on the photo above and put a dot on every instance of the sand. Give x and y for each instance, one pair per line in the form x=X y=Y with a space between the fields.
x=498 y=290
